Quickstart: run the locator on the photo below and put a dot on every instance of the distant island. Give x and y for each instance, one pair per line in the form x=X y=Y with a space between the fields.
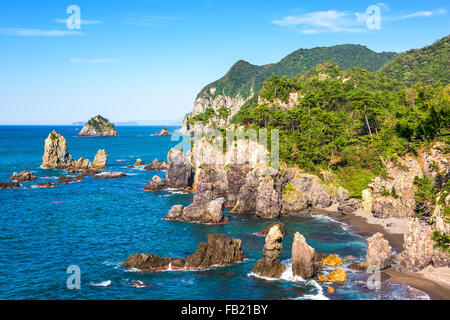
x=98 y=127
x=163 y=132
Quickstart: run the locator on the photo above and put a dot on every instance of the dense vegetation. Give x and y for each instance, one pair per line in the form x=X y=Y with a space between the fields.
x=425 y=65
x=100 y=123
x=246 y=79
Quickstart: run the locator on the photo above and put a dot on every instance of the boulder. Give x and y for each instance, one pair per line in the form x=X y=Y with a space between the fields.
x=139 y=162
x=359 y=266
x=100 y=160
x=82 y=164
x=175 y=212
x=349 y=206
x=155 y=165
x=155 y=185
x=303 y=257
x=337 y=275
x=378 y=252
x=24 y=176
x=266 y=230
x=220 y=250
x=203 y=209
x=332 y=260
x=55 y=153
x=179 y=170
x=270 y=266
x=342 y=195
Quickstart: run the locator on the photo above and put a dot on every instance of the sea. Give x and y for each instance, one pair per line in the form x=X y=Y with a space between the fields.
x=96 y=224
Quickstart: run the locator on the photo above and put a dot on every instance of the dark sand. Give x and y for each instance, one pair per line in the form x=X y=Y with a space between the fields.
x=360 y=226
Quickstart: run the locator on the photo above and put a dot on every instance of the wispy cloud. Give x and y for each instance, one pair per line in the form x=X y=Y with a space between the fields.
x=322 y=21
x=27 y=32
x=85 y=22
x=332 y=21
x=93 y=61
x=143 y=20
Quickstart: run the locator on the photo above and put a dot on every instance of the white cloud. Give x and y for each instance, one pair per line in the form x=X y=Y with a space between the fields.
x=85 y=22
x=143 y=20
x=422 y=14
x=27 y=32
x=323 y=21
x=93 y=61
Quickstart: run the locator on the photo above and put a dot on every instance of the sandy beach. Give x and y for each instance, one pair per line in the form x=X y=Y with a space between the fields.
x=435 y=282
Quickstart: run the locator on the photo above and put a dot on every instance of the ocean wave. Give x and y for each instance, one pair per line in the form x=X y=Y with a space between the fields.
x=102 y=284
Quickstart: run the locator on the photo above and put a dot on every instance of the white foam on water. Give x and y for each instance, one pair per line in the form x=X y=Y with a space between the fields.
x=132 y=269
x=102 y=284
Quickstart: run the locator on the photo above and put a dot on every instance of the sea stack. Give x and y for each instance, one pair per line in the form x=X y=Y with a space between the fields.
x=55 y=153
x=163 y=132
x=269 y=265
x=100 y=160
x=98 y=127
x=303 y=258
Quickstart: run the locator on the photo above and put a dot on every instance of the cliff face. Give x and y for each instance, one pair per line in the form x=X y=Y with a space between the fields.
x=55 y=153
x=98 y=127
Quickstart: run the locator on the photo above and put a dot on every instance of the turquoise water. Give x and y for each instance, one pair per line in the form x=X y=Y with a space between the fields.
x=96 y=224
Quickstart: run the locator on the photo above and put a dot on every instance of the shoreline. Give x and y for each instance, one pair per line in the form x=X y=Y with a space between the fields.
x=365 y=225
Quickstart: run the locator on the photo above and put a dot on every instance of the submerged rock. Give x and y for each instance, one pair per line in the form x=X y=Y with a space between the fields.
x=303 y=258
x=100 y=160
x=98 y=127
x=155 y=185
x=9 y=185
x=24 y=176
x=109 y=175
x=270 y=266
x=220 y=250
x=378 y=252
x=55 y=153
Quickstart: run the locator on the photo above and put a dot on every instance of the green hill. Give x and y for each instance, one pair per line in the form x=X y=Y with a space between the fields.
x=244 y=78
x=427 y=65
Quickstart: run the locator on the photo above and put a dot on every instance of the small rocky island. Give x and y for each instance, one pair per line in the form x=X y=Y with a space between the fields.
x=163 y=132
x=98 y=127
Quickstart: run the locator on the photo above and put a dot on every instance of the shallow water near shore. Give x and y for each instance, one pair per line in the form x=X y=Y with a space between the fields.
x=96 y=224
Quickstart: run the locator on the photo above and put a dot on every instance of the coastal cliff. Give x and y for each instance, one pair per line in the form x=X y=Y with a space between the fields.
x=98 y=127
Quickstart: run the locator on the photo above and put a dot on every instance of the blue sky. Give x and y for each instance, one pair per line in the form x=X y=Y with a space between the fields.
x=148 y=59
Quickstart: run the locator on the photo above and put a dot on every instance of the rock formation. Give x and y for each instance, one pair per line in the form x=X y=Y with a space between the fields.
x=220 y=250
x=179 y=169
x=155 y=165
x=203 y=210
x=109 y=175
x=163 y=132
x=9 y=185
x=155 y=185
x=139 y=162
x=270 y=266
x=55 y=153
x=332 y=260
x=266 y=230
x=98 y=127
x=100 y=160
x=337 y=275
x=378 y=252
x=303 y=257
x=24 y=176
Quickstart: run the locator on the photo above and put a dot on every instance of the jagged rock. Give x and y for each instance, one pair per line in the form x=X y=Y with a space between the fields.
x=90 y=172
x=55 y=153
x=100 y=160
x=24 y=176
x=98 y=127
x=337 y=275
x=367 y=199
x=155 y=185
x=179 y=169
x=342 y=195
x=9 y=185
x=348 y=206
x=379 y=252
x=436 y=163
x=418 y=249
x=303 y=257
x=175 y=212
x=163 y=132
x=268 y=198
x=155 y=165
x=203 y=210
x=139 y=162
x=266 y=230
x=219 y=251
x=359 y=266
x=45 y=185
x=388 y=207
x=82 y=164
x=246 y=202
x=330 y=290
x=269 y=265
x=66 y=180
x=109 y=175
x=332 y=260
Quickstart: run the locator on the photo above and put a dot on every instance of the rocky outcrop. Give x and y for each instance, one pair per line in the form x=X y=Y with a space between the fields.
x=270 y=266
x=139 y=163
x=9 y=185
x=220 y=250
x=81 y=164
x=55 y=153
x=109 y=175
x=98 y=127
x=155 y=185
x=338 y=275
x=303 y=257
x=268 y=197
x=100 y=160
x=332 y=260
x=203 y=209
x=436 y=163
x=418 y=248
x=24 y=176
x=163 y=132
x=379 y=252
x=155 y=165
x=179 y=169
x=266 y=230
